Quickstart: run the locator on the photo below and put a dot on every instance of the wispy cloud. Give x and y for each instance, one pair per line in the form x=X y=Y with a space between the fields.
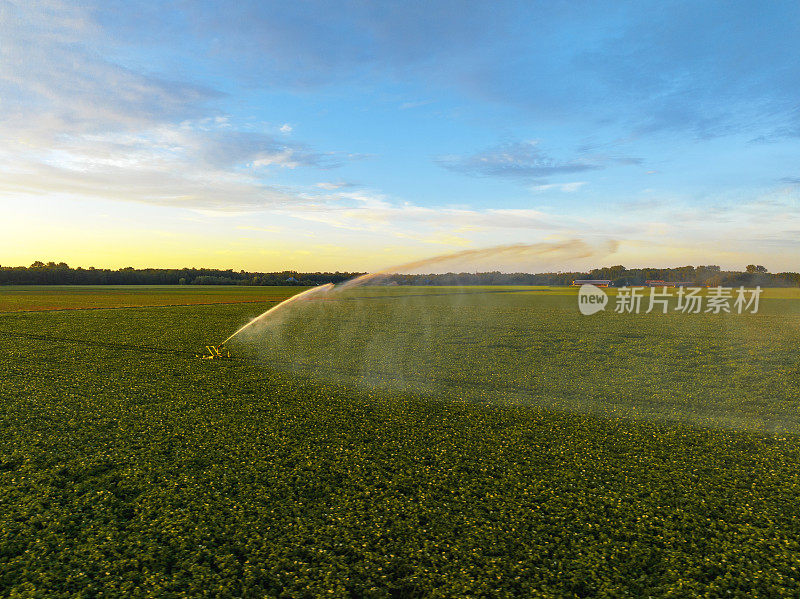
x=53 y=83
x=217 y=190
x=522 y=160
x=201 y=164
x=649 y=68
x=332 y=185
x=260 y=229
x=417 y=104
x=76 y=123
x=565 y=187
x=365 y=211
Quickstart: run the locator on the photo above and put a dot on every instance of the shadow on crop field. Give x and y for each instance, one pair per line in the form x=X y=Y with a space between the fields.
x=722 y=370
x=95 y=343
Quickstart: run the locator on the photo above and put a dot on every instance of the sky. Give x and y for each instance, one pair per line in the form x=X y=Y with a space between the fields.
x=355 y=135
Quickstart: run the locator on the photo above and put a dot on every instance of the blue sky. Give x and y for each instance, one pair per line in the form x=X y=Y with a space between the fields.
x=353 y=135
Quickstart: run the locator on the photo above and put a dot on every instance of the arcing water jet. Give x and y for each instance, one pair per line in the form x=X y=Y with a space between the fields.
x=271 y=312
x=563 y=251
x=515 y=253
x=216 y=352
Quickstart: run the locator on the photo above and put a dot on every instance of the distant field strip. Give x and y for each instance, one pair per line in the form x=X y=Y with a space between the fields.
x=54 y=309
x=61 y=297
x=47 y=298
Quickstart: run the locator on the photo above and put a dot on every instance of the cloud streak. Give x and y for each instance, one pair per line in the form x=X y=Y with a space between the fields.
x=518 y=160
x=193 y=165
x=650 y=66
x=362 y=211
x=74 y=122
x=54 y=83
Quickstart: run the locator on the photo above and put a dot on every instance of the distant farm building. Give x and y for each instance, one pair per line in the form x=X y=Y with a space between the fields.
x=595 y=282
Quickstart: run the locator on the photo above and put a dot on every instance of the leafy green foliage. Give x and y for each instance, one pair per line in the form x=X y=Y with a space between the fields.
x=130 y=468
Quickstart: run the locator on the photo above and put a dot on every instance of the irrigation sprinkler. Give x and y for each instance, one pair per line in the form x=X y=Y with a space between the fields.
x=215 y=352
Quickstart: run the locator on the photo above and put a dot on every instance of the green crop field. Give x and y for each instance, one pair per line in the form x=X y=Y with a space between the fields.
x=395 y=442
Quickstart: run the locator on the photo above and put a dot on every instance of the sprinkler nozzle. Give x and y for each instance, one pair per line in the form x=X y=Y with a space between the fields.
x=215 y=352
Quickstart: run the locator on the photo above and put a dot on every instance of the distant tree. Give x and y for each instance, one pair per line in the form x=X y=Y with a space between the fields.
x=627 y=281
x=753 y=269
x=212 y=280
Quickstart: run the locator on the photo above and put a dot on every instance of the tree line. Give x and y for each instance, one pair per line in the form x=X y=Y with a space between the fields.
x=619 y=276
x=60 y=273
